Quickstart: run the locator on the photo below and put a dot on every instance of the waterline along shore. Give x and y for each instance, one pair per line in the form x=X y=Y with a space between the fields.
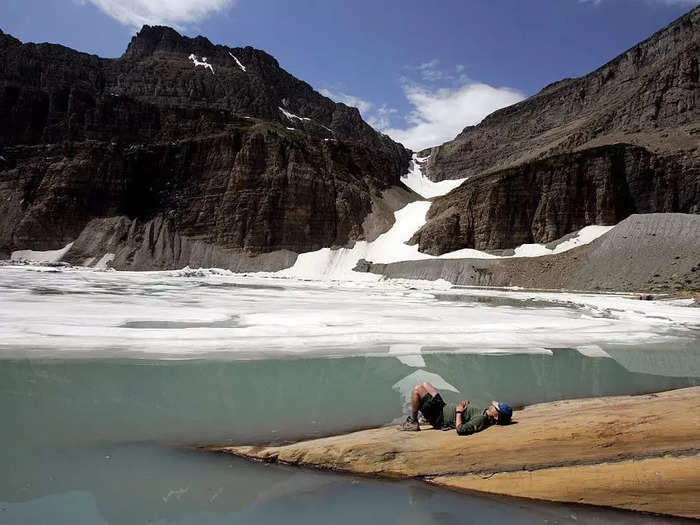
x=632 y=452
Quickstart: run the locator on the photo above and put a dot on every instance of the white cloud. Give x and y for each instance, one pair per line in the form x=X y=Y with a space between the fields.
x=381 y=118
x=440 y=114
x=431 y=71
x=363 y=105
x=174 y=13
x=377 y=117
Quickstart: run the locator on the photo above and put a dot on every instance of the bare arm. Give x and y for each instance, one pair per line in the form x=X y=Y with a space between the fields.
x=461 y=407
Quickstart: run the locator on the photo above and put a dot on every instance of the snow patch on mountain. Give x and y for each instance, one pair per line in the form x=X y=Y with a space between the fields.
x=422 y=185
x=292 y=116
x=337 y=264
x=202 y=62
x=237 y=61
x=47 y=256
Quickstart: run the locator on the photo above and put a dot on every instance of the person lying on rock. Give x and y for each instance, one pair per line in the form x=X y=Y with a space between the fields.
x=463 y=417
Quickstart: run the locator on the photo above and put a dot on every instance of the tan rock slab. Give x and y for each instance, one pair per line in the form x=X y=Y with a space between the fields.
x=607 y=433
x=666 y=485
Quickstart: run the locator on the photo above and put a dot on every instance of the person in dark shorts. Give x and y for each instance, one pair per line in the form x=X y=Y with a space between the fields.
x=463 y=417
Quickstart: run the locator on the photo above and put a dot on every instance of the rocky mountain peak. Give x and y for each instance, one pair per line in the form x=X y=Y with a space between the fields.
x=153 y=40
x=163 y=41
x=215 y=147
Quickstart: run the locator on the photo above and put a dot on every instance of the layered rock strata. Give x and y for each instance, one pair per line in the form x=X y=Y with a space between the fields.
x=541 y=201
x=220 y=144
x=637 y=453
x=648 y=96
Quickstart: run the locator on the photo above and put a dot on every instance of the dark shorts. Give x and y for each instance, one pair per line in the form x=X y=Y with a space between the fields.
x=431 y=408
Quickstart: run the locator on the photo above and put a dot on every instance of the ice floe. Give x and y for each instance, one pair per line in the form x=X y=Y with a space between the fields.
x=592 y=351
x=182 y=314
x=408 y=354
x=405 y=385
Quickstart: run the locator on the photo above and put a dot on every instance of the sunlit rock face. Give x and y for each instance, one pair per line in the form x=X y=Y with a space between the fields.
x=220 y=143
x=647 y=96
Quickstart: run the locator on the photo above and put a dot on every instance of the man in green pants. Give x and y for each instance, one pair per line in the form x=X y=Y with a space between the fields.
x=463 y=417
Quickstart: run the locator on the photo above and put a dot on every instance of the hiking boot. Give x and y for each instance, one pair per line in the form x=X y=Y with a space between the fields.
x=410 y=425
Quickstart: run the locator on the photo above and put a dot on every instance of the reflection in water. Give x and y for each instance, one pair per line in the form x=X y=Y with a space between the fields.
x=107 y=441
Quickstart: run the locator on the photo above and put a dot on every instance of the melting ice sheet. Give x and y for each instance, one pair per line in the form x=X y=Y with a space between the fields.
x=181 y=314
x=338 y=264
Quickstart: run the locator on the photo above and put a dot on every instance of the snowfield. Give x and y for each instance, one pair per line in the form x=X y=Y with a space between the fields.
x=422 y=185
x=328 y=264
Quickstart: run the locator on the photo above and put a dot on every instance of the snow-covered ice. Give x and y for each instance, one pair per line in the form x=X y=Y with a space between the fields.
x=45 y=310
x=202 y=62
x=237 y=61
x=422 y=185
x=48 y=256
x=583 y=236
x=592 y=351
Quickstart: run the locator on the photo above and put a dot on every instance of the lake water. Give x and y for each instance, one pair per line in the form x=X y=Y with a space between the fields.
x=107 y=380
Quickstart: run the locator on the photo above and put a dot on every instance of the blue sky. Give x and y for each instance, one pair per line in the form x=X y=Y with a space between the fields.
x=419 y=71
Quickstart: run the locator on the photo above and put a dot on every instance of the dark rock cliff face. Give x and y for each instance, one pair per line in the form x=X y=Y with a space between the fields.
x=624 y=139
x=230 y=152
x=648 y=96
x=540 y=201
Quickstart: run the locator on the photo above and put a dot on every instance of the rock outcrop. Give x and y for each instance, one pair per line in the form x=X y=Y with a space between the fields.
x=543 y=200
x=648 y=96
x=657 y=252
x=220 y=144
x=638 y=453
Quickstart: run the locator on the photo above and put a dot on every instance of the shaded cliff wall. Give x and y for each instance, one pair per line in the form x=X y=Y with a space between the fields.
x=544 y=200
x=150 y=135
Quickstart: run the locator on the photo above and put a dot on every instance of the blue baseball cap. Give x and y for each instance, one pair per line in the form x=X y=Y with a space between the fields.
x=505 y=412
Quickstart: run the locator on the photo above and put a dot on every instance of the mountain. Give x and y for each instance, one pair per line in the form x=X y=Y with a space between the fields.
x=623 y=139
x=183 y=152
